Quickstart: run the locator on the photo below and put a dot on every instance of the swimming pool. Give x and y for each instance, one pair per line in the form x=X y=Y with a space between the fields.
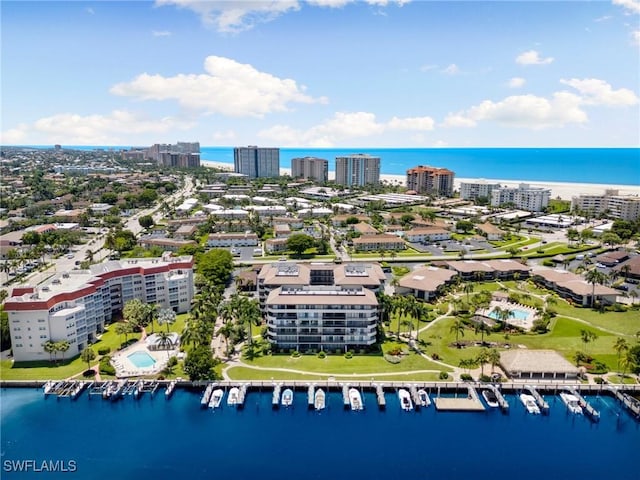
x=517 y=314
x=141 y=359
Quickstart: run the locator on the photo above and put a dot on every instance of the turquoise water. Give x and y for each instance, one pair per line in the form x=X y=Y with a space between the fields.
x=141 y=359
x=168 y=439
x=517 y=314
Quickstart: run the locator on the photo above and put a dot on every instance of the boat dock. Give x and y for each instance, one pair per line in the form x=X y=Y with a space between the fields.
x=241 y=395
x=311 y=392
x=204 y=401
x=382 y=402
x=345 y=396
x=504 y=405
x=542 y=403
x=413 y=391
x=275 y=399
x=470 y=403
x=170 y=388
x=632 y=404
x=591 y=412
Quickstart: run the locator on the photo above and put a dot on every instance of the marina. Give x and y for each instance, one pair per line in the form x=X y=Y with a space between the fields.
x=540 y=401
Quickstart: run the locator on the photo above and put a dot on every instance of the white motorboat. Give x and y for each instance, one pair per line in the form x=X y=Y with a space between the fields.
x=287 y=397
x=425 y=401
x=355 y=399
x=170 y=388
x=319 y=399
x=232 y=399
x=405 y=399
x=572 y=402
x=490 y=397
x=216 y=398
x=529 y=403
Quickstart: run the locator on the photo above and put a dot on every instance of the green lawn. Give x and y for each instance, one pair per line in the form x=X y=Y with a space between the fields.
x=625 y=323
x=627 y=380
x=244 y=373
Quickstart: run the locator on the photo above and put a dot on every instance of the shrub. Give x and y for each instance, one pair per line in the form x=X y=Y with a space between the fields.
x=322 y=355
x=443 y=375
x=348 y=355
x=599 y=367
x=435 y=356
x=88 y=373
x=173 y=361
x=104 y=350
x=598 y=380
x=548 y=263
x=392 y=359
x=107 y=369
x=295 y=353
x=465 y=377
x=395 y=351
x=485 y=378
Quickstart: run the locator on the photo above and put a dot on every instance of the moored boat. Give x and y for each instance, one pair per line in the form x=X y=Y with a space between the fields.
x=287 y=397
x=425 y=401
x=319 y=399
x=490 y=397
x=216 y=398
x=405 y=399
x=529 y=403
x=572 y=402
x=232 y=399
x=355 y=399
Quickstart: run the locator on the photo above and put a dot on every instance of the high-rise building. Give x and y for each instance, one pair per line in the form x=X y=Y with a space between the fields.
x=359 y=169
x=312 y=168
x=622 y=207
x=431 y=181
x=257 y=162
x=525 y=197
x=182 y=154
x=477 y=189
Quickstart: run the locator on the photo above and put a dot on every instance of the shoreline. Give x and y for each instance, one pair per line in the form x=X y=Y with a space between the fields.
x=563 y=190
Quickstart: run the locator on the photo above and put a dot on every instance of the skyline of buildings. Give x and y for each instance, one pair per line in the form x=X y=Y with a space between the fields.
x=257 y=162
x=431 y=181
x=181 y=154
x=359 y=169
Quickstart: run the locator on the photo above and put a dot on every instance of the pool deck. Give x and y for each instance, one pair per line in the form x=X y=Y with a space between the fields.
x=126 y=368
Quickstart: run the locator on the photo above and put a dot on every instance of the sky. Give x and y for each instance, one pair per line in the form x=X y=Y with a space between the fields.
x=321 y=73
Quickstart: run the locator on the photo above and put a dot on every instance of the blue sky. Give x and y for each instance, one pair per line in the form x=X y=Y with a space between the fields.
x=321 y=73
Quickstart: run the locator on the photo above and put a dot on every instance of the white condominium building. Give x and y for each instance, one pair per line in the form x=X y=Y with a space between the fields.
x=359 y=169
x=622 y=207
x=525 y=197
x=75 y=305
x=322 y=317
x=477 y=189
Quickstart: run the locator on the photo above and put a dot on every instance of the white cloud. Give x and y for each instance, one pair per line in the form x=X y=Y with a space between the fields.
x=631 y=6
x=112 y=129
x=599 y=92
x=456 y=120
x=14 y=136
x=532 y=57
x=428 y=68
x=604 y=18
x=224 y=135
x=635 y=37
x=329 y=3
x=343 y=126
x=227 y=87
x=235 y=16
x=161 y=33
x=452 y=69
x=516 y=82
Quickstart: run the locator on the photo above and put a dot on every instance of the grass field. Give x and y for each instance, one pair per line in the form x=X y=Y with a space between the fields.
x=244 y=373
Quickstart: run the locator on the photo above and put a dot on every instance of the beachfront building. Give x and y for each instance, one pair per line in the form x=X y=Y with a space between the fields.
x=611 y=203
x=74 y=306
x=320 y=306
x=257 y=162
x=310 y=168
x=358 y=169
x=182 y=154
x=434 y=181
x=472 y=190
x=525 y=197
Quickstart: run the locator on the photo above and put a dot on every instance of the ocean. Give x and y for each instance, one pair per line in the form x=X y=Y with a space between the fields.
x=615 y=166
x=168 y=439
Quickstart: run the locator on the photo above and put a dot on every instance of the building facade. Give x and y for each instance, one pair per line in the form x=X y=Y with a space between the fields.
x=182 y=154
x=311 y=168
x=434 y=181
x=359 y=169
x=74 y=306
x=477 y=189
x=622 y=207
x=525 y=197
x=257 y=162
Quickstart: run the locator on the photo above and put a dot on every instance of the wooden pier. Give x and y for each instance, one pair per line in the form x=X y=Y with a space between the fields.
x=206 y=396
x=413 y=391
x=345 y=396
x=542 y=403
x=382 y=402
x=632 y=404
x=275 y=399
x=470 y=403
x=504 y=405
x=311 y=392
x=591 y=412
x=242 y=394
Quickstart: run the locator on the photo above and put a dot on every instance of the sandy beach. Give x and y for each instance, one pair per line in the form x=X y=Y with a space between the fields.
x=563 y=190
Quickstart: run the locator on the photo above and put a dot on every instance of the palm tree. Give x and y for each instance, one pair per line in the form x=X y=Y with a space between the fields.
x=620 y=346
x=167 y=317
x=385 y=304
x=594 y=277
x=467 y=288
x=88 y=355
x=493 y=358
x=63 y=346
x=88 y=256
x=481 y=327
x=458 y=327
x=226 y=330
x=628 y=362
x=164 y=341
x=587 y=336
x=482 y=358
x=51 y=348
x=123 y=328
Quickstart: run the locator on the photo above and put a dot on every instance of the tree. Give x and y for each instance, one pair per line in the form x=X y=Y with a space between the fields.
x=628 y=362
x=482 y=358
x=493 y=358
x=594 y=277
x=167 y=317
x=49 y=347
x=458 y=327
x=164 y=341
x=62 y=346
x=464 y=225
x=200 y=364
x=620 y=346
x=579 y=357
x=123 y=328
x=146 y=221
x=467 y=288
x=216 y=266
x=135 y=313
x=587 y=336
x=299 y=242
x=89 y=256
x=88 y=355
x=482 y=328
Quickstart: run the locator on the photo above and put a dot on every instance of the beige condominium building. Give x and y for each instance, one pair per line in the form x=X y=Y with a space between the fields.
x=359 y=169
x=311 y=168
x=623 y=207
x=431 y=181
